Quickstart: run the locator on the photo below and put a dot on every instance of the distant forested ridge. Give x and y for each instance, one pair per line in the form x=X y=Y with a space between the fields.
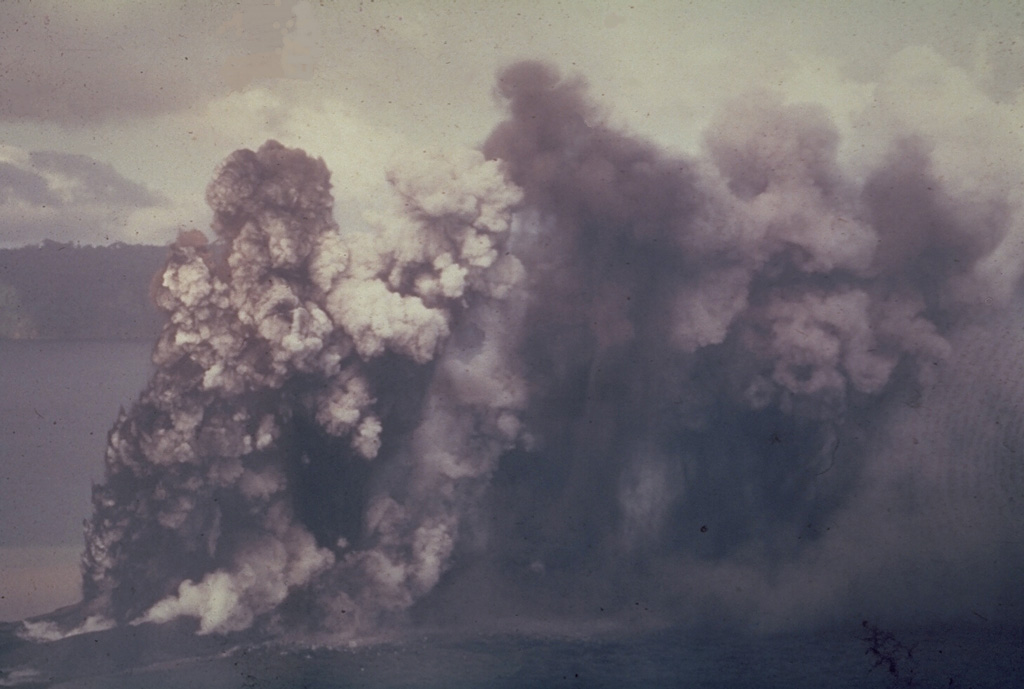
x=71 y=292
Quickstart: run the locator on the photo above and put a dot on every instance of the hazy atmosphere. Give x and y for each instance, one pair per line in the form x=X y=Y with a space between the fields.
x=548 y=315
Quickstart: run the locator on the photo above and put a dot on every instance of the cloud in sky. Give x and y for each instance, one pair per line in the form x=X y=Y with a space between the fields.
x=74 y=64
x=162 y=90
x=92 y=61
x=68 y=197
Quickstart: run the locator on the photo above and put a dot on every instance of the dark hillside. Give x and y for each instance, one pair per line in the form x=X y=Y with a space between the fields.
x=72 y=292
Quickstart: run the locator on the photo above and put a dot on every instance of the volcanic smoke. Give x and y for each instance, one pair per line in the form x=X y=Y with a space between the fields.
x=570 y=372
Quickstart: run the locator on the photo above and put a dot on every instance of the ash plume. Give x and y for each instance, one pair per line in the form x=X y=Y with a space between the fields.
x=568 y=368
x=294 y=364
x=714 y=343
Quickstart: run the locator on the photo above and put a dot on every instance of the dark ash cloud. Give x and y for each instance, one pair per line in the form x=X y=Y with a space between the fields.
x=298 y=368
x=566 y=375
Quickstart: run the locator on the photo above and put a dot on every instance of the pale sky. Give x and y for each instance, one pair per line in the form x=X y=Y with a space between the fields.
x=113 y=114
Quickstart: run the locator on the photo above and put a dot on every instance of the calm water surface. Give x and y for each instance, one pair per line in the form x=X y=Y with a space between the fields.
x=157 y=657
x=57 y=402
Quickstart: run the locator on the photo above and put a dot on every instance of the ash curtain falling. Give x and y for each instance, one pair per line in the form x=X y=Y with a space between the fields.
x=568 y=368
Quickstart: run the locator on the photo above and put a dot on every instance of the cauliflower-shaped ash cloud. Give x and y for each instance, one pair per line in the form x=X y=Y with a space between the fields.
x=266 y=391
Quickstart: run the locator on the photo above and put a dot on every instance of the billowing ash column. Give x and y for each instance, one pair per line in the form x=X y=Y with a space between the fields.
x=290 y=377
